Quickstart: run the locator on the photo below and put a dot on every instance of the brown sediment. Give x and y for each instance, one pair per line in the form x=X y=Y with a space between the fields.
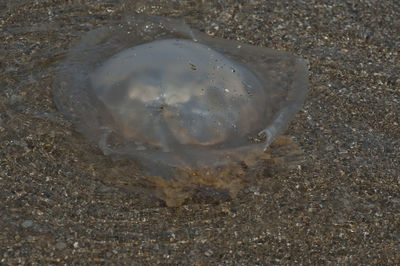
x=231 y=178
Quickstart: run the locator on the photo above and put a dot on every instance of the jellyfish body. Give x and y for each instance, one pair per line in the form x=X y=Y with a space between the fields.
x=178 y=91
x=156 y=91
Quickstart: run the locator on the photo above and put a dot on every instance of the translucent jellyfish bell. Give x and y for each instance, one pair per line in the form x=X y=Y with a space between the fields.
x=176 y=100
x=178 y=92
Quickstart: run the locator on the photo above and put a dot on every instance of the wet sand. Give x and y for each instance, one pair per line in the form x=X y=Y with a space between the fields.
x=341 y=205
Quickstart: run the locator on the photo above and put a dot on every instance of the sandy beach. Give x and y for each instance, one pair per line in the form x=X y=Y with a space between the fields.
x=341 y=205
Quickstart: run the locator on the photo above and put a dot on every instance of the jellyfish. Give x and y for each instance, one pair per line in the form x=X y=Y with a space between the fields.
x=189 y=108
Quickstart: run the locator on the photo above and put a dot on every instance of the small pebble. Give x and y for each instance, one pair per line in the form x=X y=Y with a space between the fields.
x=208 y=253
x=329 y=148
x=27 y=223
x=61 y=245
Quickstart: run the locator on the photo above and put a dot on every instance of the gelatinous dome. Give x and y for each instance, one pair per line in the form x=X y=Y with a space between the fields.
x=178 y=91
x=154 y=90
